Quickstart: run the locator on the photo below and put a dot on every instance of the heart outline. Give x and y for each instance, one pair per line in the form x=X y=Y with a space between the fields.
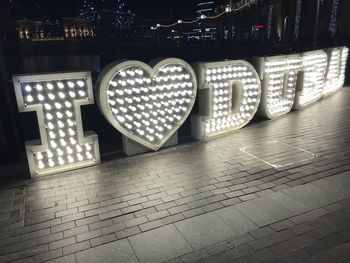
x=108 y=73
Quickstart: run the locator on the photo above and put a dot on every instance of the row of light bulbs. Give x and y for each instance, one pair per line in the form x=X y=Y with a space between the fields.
x=223 y=117
x=280 y=100
x=315 y=66
x=150 y=107
x=57 y=100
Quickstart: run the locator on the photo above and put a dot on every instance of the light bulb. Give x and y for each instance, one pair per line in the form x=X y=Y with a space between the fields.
x=70 y=84
x=28 y=88
x=80 y=83
x=49 y=86
x=30 y=98
x=60 y=85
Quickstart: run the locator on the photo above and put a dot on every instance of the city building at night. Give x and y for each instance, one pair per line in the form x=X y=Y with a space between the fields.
x=78 y=28
x=70 y=28
x=205 y=8
x=205 y=30
x=28 y=30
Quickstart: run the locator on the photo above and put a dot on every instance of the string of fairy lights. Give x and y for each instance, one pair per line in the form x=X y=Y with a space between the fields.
x=228 y=9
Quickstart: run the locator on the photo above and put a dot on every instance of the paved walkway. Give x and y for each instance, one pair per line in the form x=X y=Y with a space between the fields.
x=276 y=191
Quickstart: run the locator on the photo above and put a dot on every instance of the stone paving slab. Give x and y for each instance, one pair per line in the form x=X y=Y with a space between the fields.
x=288 y=202
x=216 y=203
x=160 y=244
x=114 y=252
x=236 y=220
x=256 y=213
x=204 y=230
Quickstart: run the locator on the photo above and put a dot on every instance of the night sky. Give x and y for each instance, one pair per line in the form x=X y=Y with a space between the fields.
x=144 y=9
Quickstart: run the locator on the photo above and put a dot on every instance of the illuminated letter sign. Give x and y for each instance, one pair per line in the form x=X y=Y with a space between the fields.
x=278 y=80
x=147 y=104
x=229 y=95
x=311 y=80
x=335 y=76
x=57 y=99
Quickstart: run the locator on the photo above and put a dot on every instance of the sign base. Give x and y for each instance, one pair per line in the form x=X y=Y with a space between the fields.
x=131 y=147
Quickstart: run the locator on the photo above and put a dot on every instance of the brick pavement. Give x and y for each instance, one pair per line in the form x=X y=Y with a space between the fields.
x=201 y=201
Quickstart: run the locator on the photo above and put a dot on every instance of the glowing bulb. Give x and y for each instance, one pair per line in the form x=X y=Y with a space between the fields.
x=69 y=113
x=69 y=150
x=88 y=147
x=79 y=148
x=52 y=135
x=49 y=116
x=61 y=95
x=41 y=165
x=73 y=141
x=80 y=157
x=40 y=97
x=30 y=98
x=49 y=154
x=51 y=96
x=81 y=83
x=71 y=132
x=58 y=106
x=51 y=163
x=70 y=122
x=28 y=88
x=60 y=85
x=70 y=84
x=61 y=161
x=39 y=156
x=60 y=124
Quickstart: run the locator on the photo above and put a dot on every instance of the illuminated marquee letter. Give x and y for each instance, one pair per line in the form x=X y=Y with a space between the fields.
x=278 y=80
x=57 y=99
x=147 y=104
x=335 y=76
x=311 y=80
x=229 y=95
